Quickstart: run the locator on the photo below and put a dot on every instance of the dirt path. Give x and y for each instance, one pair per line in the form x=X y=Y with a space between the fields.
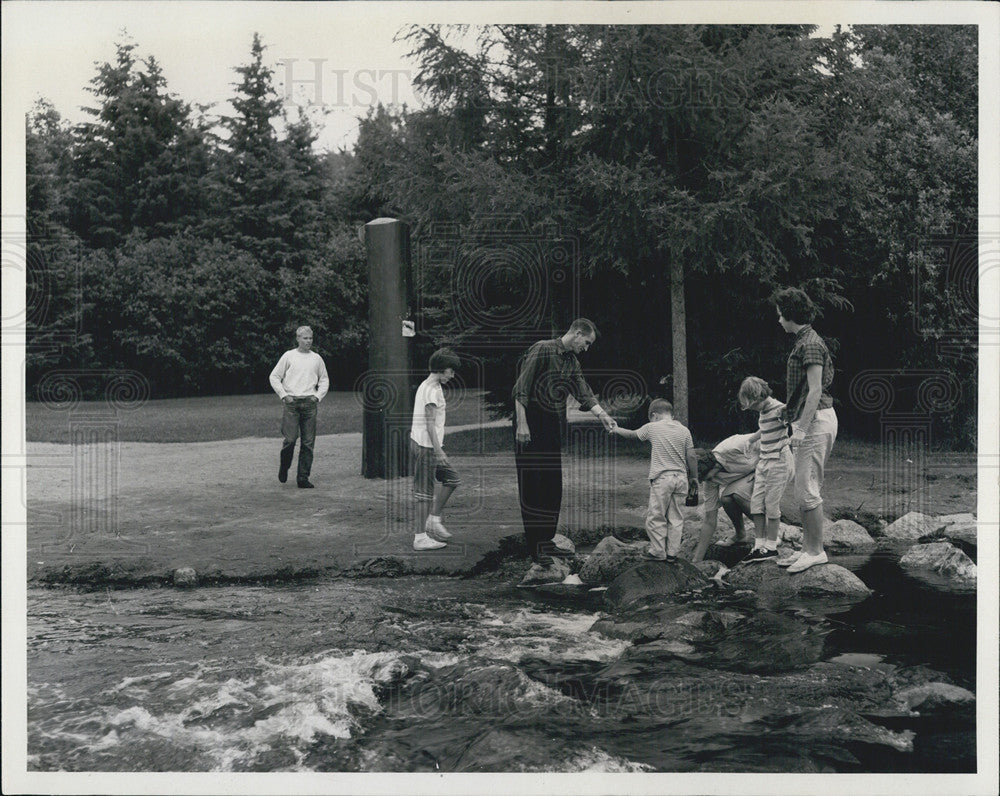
x=217 y=507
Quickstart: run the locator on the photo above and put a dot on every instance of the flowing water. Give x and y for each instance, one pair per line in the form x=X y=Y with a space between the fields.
x=445 y=674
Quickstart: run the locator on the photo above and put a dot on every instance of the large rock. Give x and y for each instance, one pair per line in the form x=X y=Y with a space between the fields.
x=911 y=527
x=935 y=698
x=771 y=582
x=538 y=575
x=960 y=527
x=943 y=558
x=653 y=579
x=665 y=621
x=846 y=535
x=609 y=559
x=564 y=543
x=764 y=641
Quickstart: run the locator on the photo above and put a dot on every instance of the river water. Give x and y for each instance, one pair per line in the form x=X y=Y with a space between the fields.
x=447 y=674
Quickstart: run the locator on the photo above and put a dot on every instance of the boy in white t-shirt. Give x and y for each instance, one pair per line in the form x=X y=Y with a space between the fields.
x=673 y=474
x=429 y=461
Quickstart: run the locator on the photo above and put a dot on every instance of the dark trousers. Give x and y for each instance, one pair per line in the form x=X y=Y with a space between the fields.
x=299 y=417
x=539 y=479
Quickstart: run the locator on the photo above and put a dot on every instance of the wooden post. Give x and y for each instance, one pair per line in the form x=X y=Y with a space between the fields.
x=386 y=392
x=678 y=336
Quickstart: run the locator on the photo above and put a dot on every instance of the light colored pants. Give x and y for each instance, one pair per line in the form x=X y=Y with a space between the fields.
x=811 y=456
x=663 y=517
x=770 y=480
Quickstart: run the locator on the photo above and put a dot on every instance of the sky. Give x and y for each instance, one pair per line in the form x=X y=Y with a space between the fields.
x=340 y=60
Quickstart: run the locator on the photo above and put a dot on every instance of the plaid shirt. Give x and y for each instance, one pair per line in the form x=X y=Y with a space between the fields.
x=547 y=373
x=808 y=349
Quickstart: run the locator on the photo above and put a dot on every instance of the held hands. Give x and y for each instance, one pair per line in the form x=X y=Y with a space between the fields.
x=798 y=435
x=609 y=423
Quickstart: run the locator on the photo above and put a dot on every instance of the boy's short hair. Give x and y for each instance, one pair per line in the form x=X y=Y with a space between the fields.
x=442 y=359
x=302 y=329
x=583 y=325
x=794 y=305
x=753 y=389
x=660 y=406
x=706 y=462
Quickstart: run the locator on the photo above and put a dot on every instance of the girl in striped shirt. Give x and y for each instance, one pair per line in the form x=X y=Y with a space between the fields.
x=775 y=468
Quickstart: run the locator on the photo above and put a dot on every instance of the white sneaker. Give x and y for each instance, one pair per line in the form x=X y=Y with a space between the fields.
x=789 y=560
x=424 y=542
x=434 y=527
x=805 y=561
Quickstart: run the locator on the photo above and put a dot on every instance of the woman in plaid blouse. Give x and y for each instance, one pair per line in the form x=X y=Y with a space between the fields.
x=808 y=377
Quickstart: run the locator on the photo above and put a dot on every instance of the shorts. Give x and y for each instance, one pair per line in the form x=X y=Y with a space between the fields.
x=811 y=456
x=714 y=491
x=426 y=470
x=770 y=480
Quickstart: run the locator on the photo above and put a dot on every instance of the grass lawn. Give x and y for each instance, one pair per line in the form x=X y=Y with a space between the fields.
x=227 y=417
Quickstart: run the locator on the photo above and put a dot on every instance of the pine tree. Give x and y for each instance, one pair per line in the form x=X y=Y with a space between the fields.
x=141 y=164
x=271 y=189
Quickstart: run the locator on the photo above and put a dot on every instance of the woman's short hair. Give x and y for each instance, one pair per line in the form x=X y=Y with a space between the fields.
x=442 y=359
x=794 y=305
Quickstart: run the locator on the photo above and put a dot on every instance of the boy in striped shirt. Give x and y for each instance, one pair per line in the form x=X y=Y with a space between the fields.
x=775 y=468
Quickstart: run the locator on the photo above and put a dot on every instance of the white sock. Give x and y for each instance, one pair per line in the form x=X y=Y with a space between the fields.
x=434 y=517
x=758 y=543
x=771 y=544
x=419 y=536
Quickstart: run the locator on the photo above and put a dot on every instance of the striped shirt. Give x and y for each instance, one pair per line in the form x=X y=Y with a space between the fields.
x=773 y=429
x=670 y=442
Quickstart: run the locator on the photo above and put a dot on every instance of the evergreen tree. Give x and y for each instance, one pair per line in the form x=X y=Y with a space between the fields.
x=141 y=164
x=270 y=190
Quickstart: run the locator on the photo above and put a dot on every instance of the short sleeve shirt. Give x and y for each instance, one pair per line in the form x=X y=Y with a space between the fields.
x=670 y=443
x=429 y=392
x=808 y=349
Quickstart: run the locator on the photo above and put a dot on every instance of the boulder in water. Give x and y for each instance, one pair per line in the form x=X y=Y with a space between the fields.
x=935 y=698
x=771 y=582
x=959 y=527
x=609 y=559
x=653 y=579
x=911 y=527
x=846 y=535
x=943 y=558
x=538 y=575
x=185 y=577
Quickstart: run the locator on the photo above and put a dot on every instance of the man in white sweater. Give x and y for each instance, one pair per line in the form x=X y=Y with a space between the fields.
x=300 y=381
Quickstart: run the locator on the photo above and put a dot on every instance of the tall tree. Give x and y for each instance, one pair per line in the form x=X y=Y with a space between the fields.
x=141 y=164
x=270 y=187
